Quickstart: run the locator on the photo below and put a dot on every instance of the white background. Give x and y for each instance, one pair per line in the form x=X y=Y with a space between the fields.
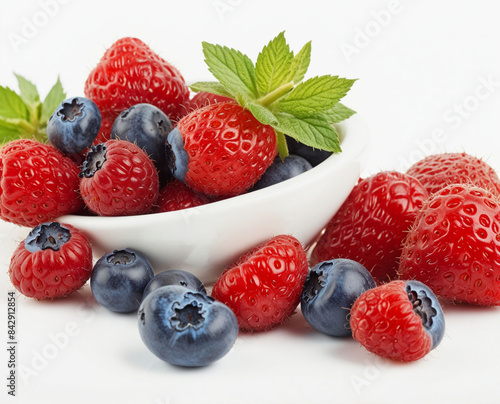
x=429 y=80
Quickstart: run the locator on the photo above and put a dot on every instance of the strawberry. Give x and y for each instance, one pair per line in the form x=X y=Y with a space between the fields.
x=454 y=245
x=399 y=320
x=53 y=261
x=176 y=196
x=37 y=183
x=439 y=170
x=221 y=149
x=118 y=178
x=202 y=99
x=229 y=144
x=263 y=287
x=130 y=73
x=371 y=224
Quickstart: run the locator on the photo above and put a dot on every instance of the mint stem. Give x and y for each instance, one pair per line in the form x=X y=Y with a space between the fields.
x=268 y=99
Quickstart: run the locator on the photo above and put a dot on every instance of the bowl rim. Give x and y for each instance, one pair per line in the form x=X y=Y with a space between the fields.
x=352 y=146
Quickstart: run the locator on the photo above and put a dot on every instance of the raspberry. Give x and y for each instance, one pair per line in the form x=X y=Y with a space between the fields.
x=399 y=320
x=118 y=178
x=53 y=261
x=37 y=183
x=177 y=196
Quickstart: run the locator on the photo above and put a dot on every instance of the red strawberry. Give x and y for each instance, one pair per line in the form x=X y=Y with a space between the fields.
x=202 y=99
x=118 y=178
x=439 y=170
x=263 y=287
x=454 y=245
x=221 y=149
x=398 y=320
x=176 y=196
x=371 y=224
x=37 y=183
x=53 y=261
x=131 y=73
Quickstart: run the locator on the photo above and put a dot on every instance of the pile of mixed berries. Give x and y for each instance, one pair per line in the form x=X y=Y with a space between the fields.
x=138 y=143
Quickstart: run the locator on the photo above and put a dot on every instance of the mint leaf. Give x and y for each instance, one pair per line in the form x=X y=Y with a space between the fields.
x=300 y=64
x=55 y=96
x=314 y=95
x=9 y=131
x=234 y=70
x=210 y=87
x=262 y=114
x=338 y=113
x=29 y=92
x=273 y=65
x=313 y=131
x=12 y=105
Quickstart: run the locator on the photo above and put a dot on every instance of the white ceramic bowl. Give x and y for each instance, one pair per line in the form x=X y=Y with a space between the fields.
x=206 y=239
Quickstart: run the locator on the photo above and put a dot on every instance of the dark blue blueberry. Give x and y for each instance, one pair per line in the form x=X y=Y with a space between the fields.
x=47 y=235
x=119 y=278
x=186 y=328
x=282 y=170
x=314 y=156
x=427 y=306
x=177 y=157
x=329 y=293
x=148 y=127
x=175 y=277
x=74 y=125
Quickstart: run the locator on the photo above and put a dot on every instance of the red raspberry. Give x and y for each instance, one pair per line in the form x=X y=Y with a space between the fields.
x=118 y=178
x=399 y=320
x=454 y=245
x=263 y=287
x=130 y=73
x=37 y=183
x=53 y=261
x=227 y=149
x=439 y=170
x=177 y=196
x=371 y=224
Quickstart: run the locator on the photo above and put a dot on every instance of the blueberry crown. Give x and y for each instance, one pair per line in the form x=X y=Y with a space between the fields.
x=422 y=306
x=47 y=235
x=94 y=161
x=70 y=111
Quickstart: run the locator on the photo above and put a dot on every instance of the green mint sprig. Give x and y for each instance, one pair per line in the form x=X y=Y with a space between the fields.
x=24 y=115
x=275 y=92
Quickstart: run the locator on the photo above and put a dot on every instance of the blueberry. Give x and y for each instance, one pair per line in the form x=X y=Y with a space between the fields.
x=282 y=170
x=177 y=157
x=74 y=125
x=175 y=277
x=314 y=156
x=148 y=127
x=329 y=292
x=426 y=305
x=186 y=328
x=119 y=278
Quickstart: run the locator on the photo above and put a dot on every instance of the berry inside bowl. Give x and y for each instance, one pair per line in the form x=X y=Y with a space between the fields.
x=206 y=239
